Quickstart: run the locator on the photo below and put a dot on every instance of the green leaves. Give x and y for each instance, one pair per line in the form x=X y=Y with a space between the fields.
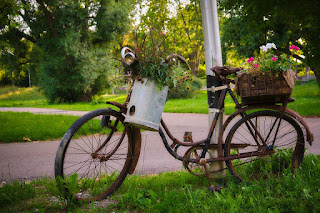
x=247 y=24
x=66 y=43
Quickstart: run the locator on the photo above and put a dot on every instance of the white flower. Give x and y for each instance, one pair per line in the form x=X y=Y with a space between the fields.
x=271 y=45
x=263 y=48
x=268 y=46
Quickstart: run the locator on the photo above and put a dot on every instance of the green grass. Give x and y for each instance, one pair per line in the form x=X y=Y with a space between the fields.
x=307 y=99
x=24 y=126
x=16 y=97
x=197 y=104
x=306 y=104
x=180 y=192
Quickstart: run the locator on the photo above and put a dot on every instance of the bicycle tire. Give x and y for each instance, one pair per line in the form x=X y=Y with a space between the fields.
x=100 y=173
x=286 y=146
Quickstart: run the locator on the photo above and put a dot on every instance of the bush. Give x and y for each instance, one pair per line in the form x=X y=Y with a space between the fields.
x=303 y=73
x=72 y=77
x=202 y=71
x=186 y=89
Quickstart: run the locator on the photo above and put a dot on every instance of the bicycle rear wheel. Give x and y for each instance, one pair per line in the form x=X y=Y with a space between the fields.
x=283 y=147
x=98 y=149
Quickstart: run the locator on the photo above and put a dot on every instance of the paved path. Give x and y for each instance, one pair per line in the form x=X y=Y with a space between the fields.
x=25 y=161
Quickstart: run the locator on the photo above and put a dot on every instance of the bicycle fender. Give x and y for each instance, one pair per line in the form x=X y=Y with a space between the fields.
x=137 y=147
x=298 y=117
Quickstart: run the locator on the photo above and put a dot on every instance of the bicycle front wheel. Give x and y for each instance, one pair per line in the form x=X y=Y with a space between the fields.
x=97 y=151
x=268 y=142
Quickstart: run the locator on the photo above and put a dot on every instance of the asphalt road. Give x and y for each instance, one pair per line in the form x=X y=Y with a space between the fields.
x=27 y=161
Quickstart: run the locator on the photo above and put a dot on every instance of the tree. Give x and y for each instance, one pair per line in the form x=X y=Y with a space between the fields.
x=70 y=36
x=248 y=24
x=181 y=23
x=187 y=34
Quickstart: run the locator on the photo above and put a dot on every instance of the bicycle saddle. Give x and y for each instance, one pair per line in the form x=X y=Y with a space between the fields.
x=225 y=71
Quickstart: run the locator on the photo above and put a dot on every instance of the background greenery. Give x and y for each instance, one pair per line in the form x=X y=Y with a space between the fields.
x=246 y=25
x=61 y=45
x=68 y=47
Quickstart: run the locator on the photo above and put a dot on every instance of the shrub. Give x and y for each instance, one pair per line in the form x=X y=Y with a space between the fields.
x=202 y=71
x=186 y=89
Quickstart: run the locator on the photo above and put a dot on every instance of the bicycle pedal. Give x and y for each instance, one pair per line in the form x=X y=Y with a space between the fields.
x=214 y=188
x=211 y=189
x=188 y=137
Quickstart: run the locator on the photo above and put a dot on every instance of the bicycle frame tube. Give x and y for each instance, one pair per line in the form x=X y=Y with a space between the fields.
x=206 y=141
x=216 y=116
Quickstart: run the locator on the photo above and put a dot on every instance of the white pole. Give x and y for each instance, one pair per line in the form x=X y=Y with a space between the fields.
x=211 y=33
x=213 y=57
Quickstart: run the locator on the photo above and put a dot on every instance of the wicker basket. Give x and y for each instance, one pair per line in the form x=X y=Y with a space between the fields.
x=262 y=90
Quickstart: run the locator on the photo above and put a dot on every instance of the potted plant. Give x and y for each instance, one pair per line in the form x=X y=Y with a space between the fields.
x=154 y=72
x=268 y=77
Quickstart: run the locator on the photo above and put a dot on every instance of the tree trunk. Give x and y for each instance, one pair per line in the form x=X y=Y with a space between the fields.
x=194 y=62
x=317 y=74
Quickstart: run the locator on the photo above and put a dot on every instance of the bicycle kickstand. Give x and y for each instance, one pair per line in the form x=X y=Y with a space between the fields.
x=212 y=187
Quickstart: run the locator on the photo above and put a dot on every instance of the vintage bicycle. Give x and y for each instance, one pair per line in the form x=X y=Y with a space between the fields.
x=101 y=149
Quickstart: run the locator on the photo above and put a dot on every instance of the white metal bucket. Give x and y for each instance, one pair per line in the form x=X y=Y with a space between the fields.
x=146 y=105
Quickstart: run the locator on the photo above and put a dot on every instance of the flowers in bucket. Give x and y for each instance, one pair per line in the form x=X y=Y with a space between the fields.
x=151 y=60
x=268 y=63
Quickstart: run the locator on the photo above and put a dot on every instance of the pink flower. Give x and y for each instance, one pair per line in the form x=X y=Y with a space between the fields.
x=293 y=47
x=276 y=56
x=250 y=60
x=274 y=59
x=164 y=33
x=256 y=65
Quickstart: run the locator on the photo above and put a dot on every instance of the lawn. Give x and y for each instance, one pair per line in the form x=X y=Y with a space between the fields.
x=24 y=126
x=307 y=101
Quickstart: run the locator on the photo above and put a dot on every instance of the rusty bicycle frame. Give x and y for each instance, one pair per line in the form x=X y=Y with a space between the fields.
x=220 y=145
